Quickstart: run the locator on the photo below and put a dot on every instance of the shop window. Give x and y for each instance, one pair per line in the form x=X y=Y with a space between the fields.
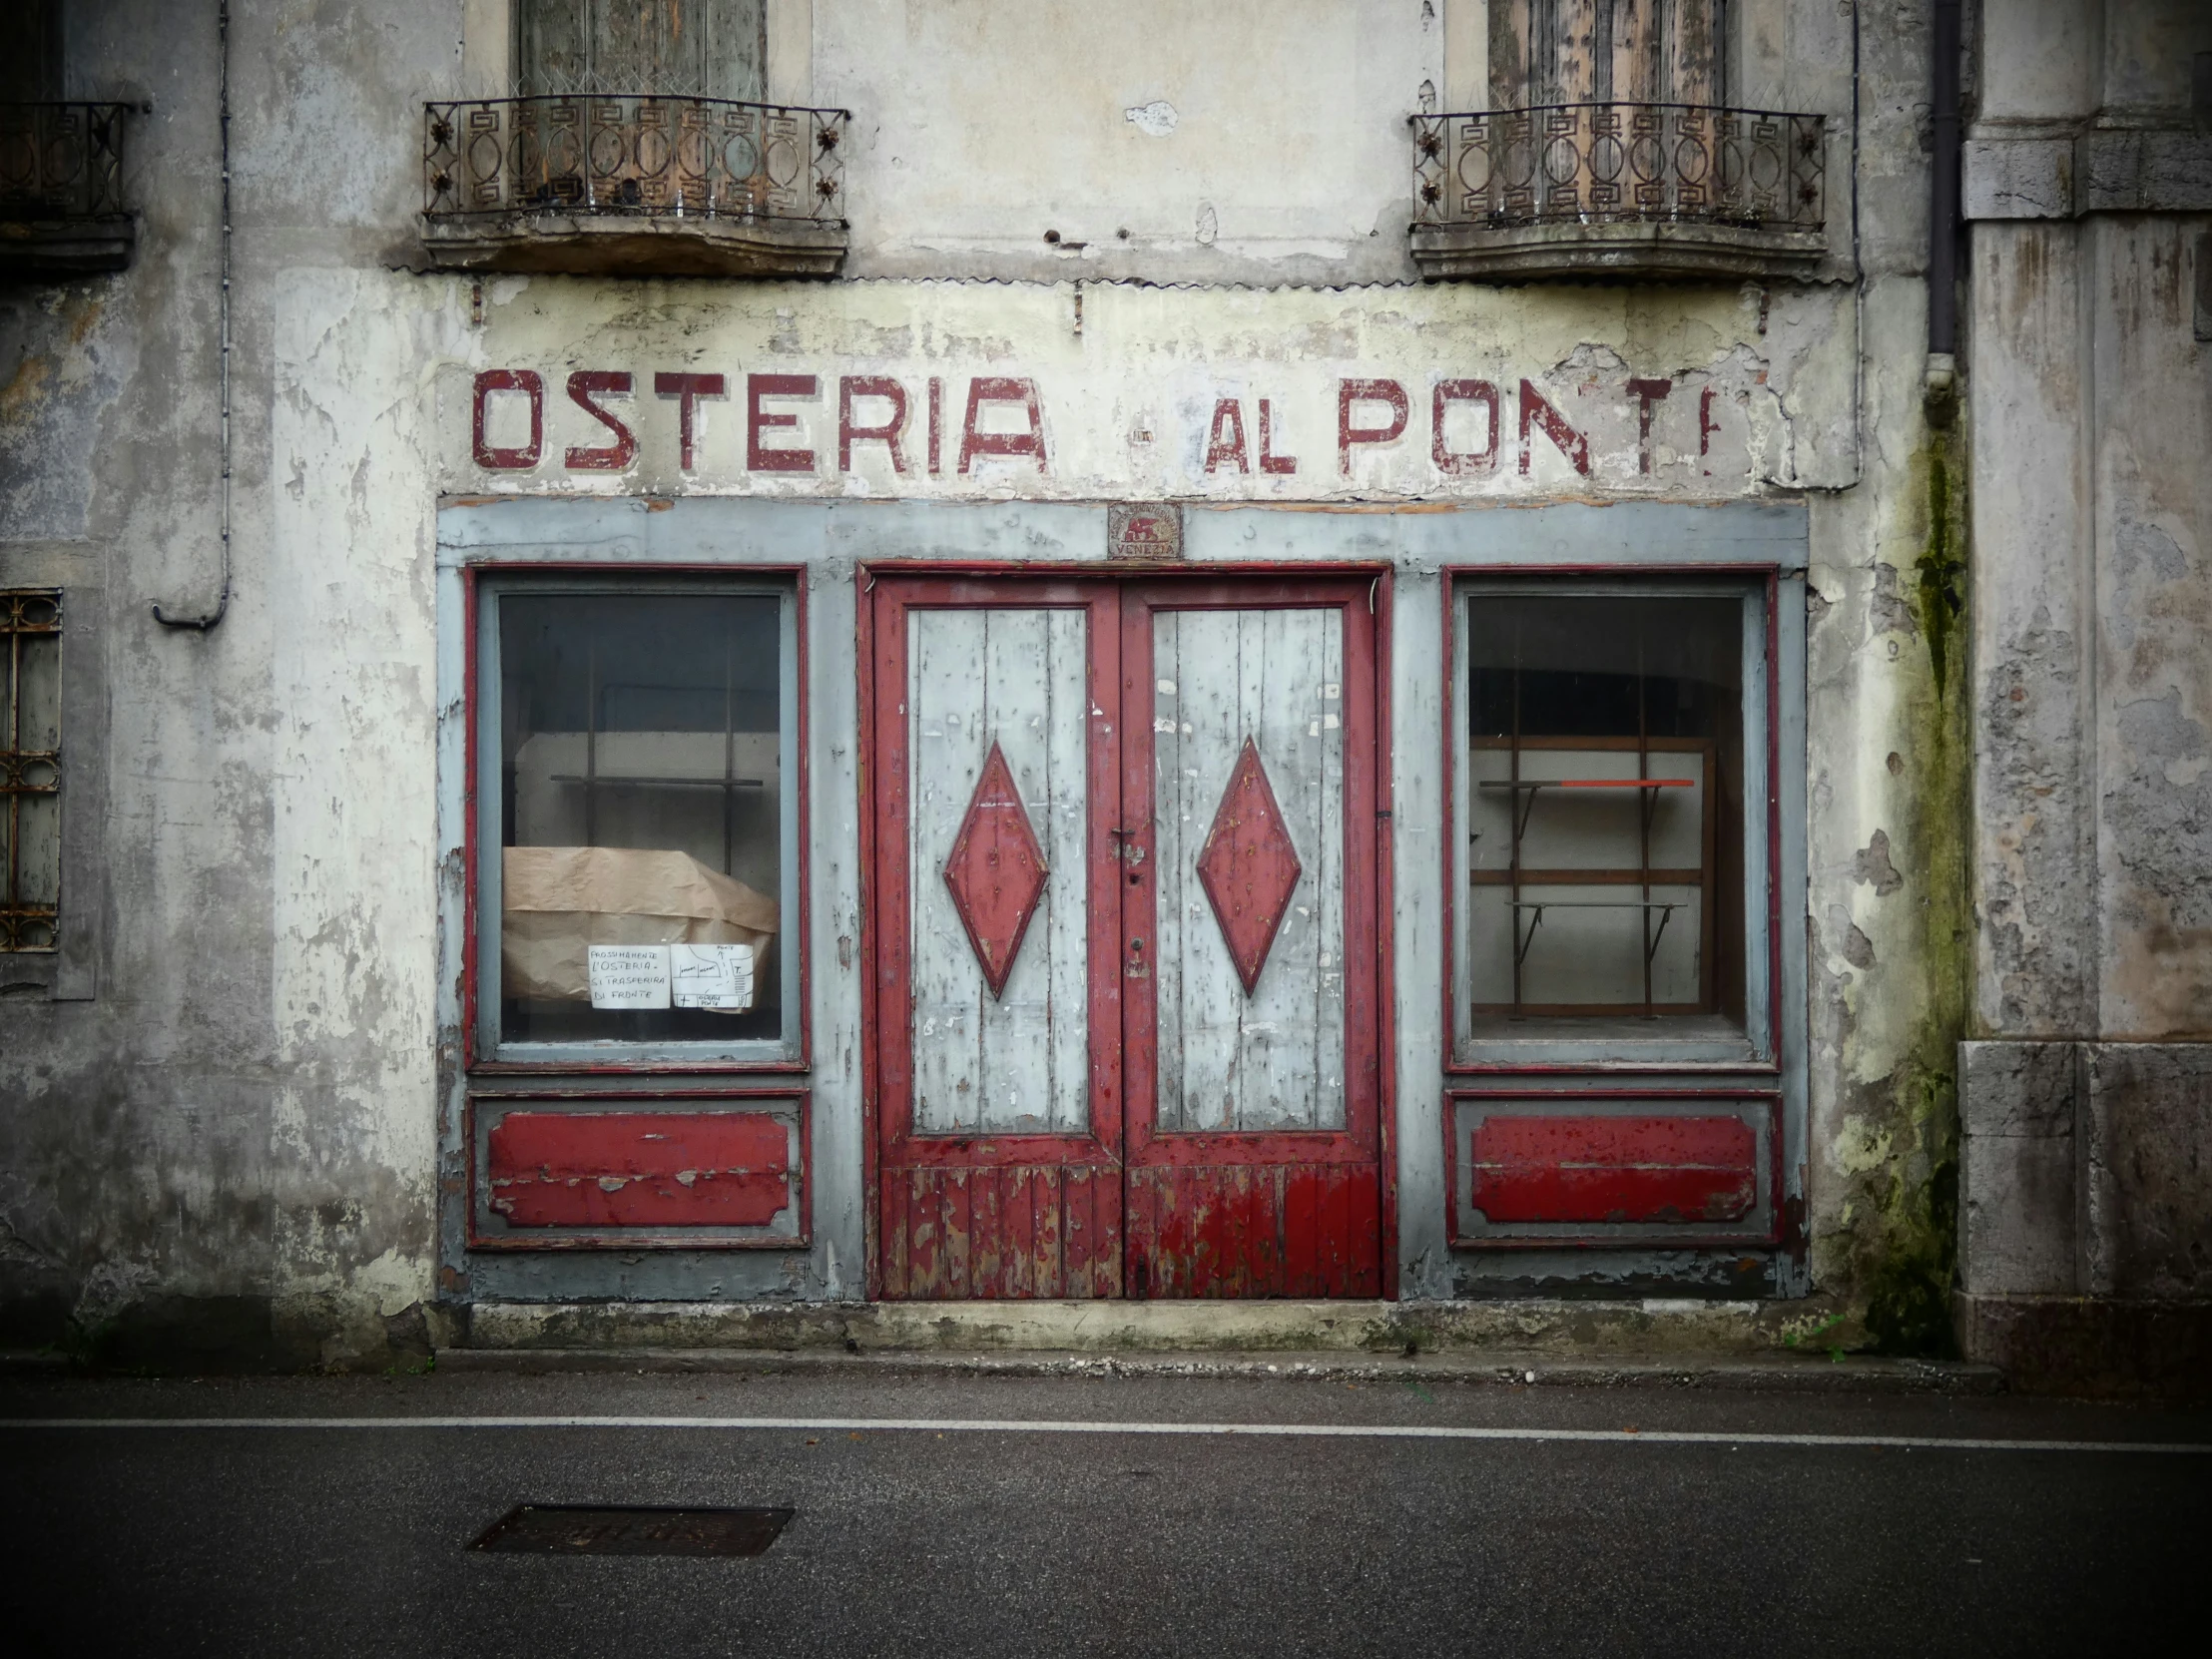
x=638 y=873
x=681 y=48
x=1611 y=776
x=30 y=769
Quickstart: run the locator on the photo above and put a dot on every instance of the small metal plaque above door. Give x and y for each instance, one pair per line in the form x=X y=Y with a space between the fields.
x=1147 y=532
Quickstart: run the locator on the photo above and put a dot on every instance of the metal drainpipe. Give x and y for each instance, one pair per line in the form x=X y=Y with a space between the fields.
x=204 y=623
x=1942 y=386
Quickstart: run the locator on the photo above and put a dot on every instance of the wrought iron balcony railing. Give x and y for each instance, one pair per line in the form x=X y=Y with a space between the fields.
x=1745 y=184
x=672 y=157
x=61 y=161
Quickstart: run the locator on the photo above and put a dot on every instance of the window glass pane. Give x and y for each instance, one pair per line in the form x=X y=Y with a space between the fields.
x=1605 y=805
x=642 y=811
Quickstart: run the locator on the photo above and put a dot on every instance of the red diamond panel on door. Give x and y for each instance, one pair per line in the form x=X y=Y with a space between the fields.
x=1251 y=783
x=1248 y=868
x=996 y=872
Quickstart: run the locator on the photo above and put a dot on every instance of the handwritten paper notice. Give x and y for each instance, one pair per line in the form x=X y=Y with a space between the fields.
x=628 y=975
x=716 y=977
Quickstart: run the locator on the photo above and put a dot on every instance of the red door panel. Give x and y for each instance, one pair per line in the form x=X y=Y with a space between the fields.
x=1249 y=972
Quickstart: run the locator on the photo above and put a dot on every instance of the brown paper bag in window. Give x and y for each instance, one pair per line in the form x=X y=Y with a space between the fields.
x=561 y=900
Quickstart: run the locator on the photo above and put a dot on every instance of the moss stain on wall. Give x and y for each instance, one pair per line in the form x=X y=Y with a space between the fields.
x=1912 y=1233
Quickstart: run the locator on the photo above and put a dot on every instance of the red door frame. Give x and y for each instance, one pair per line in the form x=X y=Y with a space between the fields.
x=992 y=1174
x=884 y=593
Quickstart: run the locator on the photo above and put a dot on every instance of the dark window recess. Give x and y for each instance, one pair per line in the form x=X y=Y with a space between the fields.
x=30 y=769
x=574 y=1529
x=642 y=816
x=684 y=48
x=1605 y=805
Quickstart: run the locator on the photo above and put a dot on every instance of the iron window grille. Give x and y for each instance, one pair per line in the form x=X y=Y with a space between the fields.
x=30 y=769
x=639 y=155
x=61 y=161
x=1620 y=162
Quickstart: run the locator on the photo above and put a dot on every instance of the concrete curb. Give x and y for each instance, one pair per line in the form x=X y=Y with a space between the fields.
x=1849 y=1375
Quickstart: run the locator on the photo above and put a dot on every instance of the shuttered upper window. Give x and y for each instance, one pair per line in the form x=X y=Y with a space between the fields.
x=674 y=48
x=30 y=768
x=1607 y=50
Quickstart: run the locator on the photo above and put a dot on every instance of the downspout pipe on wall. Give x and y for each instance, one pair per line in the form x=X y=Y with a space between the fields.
x=1941 y=388
x=206 y=621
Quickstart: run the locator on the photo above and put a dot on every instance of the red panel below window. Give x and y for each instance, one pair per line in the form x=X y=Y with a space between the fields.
x=640 y=1169
x=1615 y=1169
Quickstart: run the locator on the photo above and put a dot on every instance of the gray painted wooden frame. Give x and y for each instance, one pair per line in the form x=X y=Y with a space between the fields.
x=787 y=1051
x=832 y=539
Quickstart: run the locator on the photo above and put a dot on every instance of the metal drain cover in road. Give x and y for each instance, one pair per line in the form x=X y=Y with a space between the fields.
x=576 y=1530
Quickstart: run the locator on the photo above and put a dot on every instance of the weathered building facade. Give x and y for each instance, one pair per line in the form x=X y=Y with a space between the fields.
x=668 y=663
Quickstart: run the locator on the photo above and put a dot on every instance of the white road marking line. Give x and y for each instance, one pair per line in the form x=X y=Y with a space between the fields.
x=1018 y=1425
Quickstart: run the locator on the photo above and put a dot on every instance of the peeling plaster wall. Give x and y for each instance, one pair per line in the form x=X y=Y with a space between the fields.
x=224 y=1147
x=246 y=1111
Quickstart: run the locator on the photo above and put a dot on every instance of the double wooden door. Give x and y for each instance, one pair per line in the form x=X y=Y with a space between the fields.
x=1123 y=929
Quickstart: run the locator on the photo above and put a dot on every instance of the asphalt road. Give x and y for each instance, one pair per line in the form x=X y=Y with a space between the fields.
x=348 y=1536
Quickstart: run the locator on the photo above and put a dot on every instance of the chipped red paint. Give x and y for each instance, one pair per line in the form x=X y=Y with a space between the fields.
x=1462 y=463
x=1536 y=409
x=1247 y=867
x=759 y=456
x=936 y=425
x=852 y=388
x=532 y=386
x=639 y=1169
x=976 y=1215
x=1277 y=1212
x=1270 y=461
x=974 y=441
x=1350 y=392
x=996 y=872
x=607 y=383
x=1255 y=1229
x=688 y=389
x=955 y=1215
x=1681 y=1170
x=1728 y=1129
x=1226 y=440
x=1646 y=393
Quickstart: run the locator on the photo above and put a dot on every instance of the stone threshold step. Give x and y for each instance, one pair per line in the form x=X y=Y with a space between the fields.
x=1852 y=1374
x=1640 y=1329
